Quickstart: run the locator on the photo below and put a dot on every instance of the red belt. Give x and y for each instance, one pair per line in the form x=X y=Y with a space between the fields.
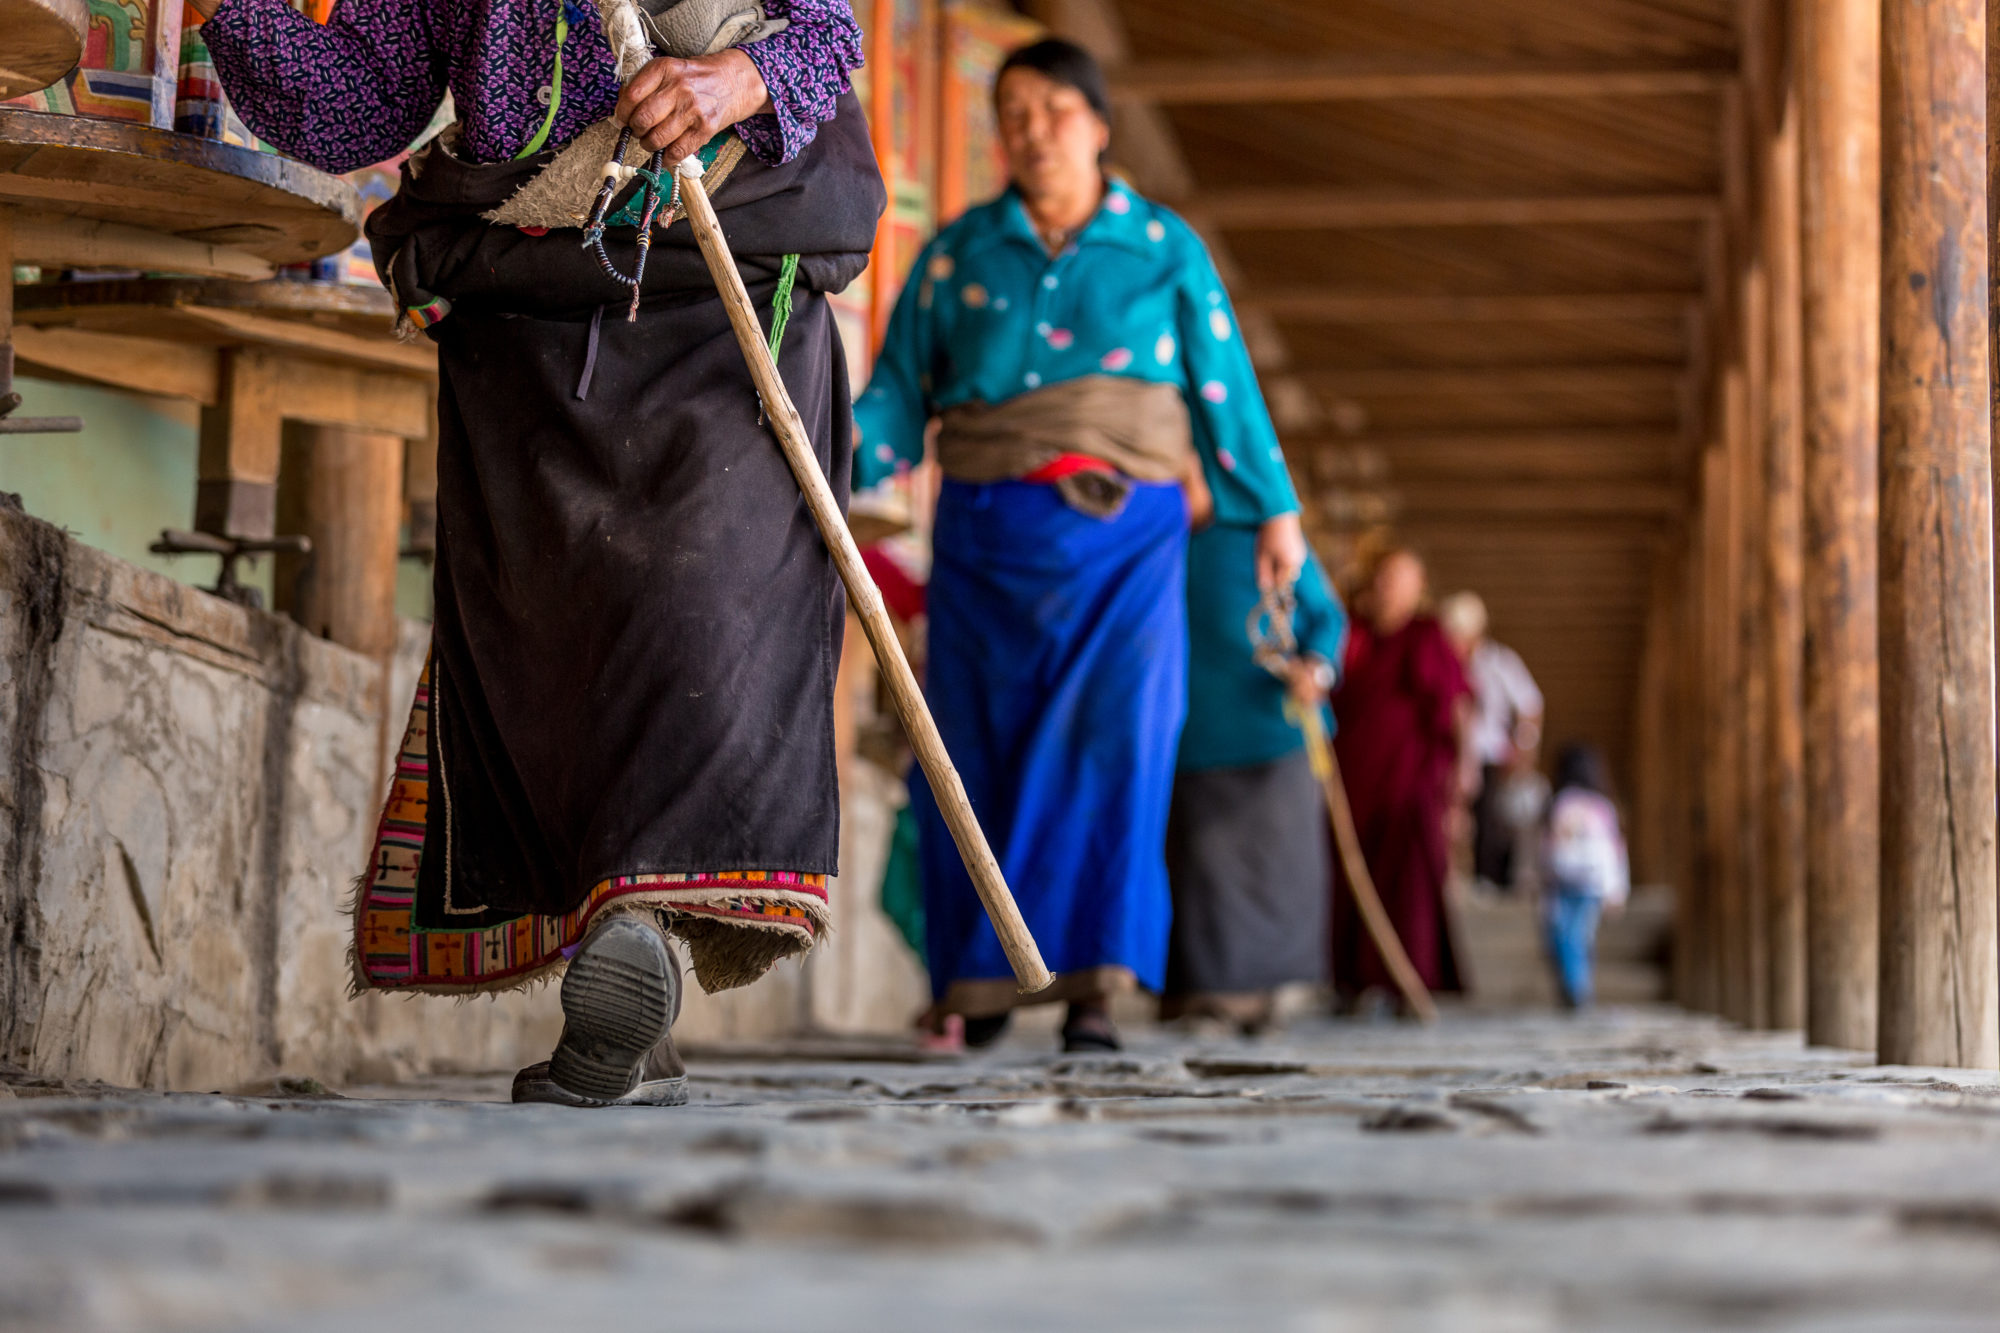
x=1068 y=465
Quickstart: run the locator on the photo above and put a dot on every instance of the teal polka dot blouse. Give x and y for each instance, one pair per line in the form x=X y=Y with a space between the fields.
x=988 y=314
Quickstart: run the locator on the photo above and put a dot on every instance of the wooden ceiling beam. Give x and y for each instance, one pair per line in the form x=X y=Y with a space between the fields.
x=1332 y=306
x=1307 y=208
x=1216 y=82
x=1460 y=382
x=1600 y=498
x=1514 y=594
x=1397 y=445
x=1437 y=538
x=1551 y=465
x=1584 y=536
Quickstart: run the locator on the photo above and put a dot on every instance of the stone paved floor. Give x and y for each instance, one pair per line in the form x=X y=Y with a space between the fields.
x=1632 y=1170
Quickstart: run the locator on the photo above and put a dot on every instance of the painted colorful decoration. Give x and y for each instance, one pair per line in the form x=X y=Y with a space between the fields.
x=977 y=37
x=114 y=80
x=198 y=102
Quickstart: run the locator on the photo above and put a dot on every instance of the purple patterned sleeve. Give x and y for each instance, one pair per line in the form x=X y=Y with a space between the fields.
x=805 y=68
x=341 y=95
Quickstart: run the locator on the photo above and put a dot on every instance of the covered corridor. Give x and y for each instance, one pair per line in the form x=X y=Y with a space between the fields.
x=1662 y=324
x=1591 y=303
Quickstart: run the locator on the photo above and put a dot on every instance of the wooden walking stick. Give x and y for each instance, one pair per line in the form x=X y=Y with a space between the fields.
x=953 y=804
x=1373 y=915
x=1273 y=646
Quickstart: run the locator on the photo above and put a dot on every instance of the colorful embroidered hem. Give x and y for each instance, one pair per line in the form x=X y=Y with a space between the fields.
x=737 y=924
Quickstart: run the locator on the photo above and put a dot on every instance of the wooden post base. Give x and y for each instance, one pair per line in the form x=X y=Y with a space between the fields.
x=344 y=490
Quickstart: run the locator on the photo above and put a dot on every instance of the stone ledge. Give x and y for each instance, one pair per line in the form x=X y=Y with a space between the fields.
x=187 y=791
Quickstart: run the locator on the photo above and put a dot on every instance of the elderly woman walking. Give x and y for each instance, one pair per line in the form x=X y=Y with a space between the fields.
x=1402 y=707
x=626 y=725
x=1076 y=343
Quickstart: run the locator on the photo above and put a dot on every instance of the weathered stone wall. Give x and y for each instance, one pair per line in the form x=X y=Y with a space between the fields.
x=187 y=790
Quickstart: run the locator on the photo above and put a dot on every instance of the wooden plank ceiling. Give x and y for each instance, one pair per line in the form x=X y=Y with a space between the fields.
x=1469 y=243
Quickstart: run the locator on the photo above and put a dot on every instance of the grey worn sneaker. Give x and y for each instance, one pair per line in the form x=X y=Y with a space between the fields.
x=620 y=997
x=662 y=1082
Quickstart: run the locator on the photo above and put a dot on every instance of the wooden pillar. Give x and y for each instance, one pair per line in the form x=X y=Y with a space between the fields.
x=420 y=487
x=882 y=70
x=344 y=491
x=1840 y=239
x=1652 y=771
x=1940 y=967
x=1784 y=627
x=6 y=300
x=237 y=491
x=1691 y=881
x=1721 y=784
x=1751 y=713
x=1693 y=949
x=1733 y=716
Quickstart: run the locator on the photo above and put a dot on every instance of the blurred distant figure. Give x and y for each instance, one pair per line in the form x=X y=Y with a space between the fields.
x=1506 y=728
x=1584 y=869
x=1400 y=709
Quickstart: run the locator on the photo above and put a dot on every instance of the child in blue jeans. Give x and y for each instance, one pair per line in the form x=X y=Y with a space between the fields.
x=1584 y=869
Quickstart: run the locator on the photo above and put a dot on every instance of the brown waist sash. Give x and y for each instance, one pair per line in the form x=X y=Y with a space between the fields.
x=1138 y=427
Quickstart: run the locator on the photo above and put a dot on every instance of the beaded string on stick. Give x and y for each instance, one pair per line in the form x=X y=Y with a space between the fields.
x=627 y=38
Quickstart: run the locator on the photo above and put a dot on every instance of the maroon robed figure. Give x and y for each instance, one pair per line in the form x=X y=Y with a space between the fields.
x=1398 y=709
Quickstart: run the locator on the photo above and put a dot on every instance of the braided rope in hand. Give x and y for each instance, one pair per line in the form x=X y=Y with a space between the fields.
x=1273 y=644
x=626 y=36
x=616 y=174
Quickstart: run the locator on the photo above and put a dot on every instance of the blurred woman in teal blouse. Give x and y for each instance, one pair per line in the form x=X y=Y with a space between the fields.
x=1076 y=344
x=1247 y=837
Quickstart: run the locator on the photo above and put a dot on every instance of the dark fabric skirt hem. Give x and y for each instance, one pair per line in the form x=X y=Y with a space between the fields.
x=716 y=867
x=737 y=924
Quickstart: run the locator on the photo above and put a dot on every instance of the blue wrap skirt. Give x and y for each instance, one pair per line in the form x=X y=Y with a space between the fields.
x=1058 y=676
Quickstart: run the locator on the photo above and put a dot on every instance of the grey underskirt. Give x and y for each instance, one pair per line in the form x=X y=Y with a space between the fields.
x=1247 y=862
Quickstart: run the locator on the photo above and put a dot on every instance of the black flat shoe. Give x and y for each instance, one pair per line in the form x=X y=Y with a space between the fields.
x=1089 y=1030
x=986 y=1029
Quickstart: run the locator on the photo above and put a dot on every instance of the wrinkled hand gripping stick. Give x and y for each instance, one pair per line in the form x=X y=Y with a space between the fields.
x=1029 y=970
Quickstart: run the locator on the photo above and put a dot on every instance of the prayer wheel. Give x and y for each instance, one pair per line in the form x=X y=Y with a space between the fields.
x=40 y=41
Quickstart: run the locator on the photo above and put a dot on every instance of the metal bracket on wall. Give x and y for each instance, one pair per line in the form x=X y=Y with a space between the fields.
x=231 y=549
x=10 y=401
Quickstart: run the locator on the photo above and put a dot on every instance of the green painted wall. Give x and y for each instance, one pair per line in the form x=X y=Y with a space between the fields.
x=130 y=474
x=413 y=589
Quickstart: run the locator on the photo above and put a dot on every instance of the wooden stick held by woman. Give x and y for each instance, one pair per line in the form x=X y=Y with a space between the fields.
x=1348 y=844
x=915 y=715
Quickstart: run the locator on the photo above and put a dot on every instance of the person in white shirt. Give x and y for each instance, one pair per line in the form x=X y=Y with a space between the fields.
x=1584 y=869
x=1506 y=729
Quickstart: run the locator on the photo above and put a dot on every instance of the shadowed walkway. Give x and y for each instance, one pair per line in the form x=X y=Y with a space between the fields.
x=1635 y=1169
